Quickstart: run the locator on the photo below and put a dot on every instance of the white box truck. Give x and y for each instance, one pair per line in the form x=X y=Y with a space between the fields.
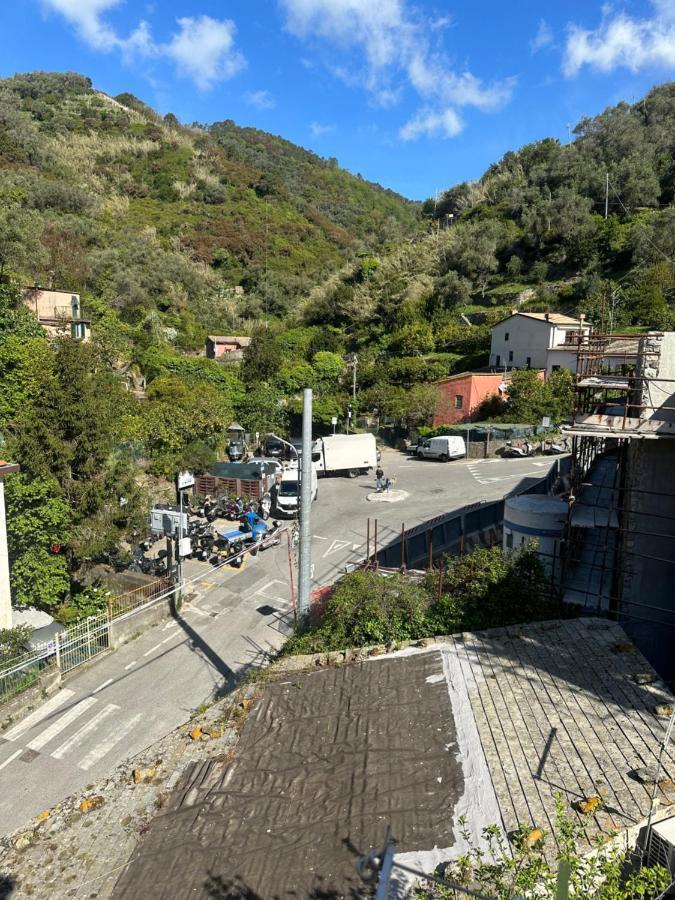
x=286 y=491
x=345 y=454
x=443 y=448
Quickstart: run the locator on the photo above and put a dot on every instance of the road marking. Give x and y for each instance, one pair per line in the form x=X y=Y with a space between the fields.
x=317 y=537
x=100 y=750
x=335 y=547
x=10 y=758
x=79 y=736
x=132 y=663
x=57 y=727
x=101 y=686
x=41 y=713
x=170 y=625
x=356 y=546
x=263 y=590
x=169 y=638
x=152 y=649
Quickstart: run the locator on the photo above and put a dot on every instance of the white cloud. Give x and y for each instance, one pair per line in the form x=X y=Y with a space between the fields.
x=260 y=99
x=621 y=41
x=394 y=49
x=317 y=129
x=543 y=37
x=203 y=48
x=85 y=17
x=429 y=123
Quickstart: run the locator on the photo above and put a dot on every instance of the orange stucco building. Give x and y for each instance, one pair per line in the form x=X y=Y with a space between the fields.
x=460 y=395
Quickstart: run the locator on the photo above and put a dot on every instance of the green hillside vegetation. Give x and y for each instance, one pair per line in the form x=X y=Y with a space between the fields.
x=156 y=224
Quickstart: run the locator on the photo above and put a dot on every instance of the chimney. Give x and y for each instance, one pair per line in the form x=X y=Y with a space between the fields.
x=547 y=316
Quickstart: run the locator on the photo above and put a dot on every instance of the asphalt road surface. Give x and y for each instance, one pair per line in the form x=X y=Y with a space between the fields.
x=130 y=698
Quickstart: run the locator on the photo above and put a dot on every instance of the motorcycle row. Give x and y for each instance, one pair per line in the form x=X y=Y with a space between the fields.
x=522 y=451
x=208 y=545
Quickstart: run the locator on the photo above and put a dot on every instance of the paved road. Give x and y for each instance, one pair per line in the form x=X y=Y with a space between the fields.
x=129 y=699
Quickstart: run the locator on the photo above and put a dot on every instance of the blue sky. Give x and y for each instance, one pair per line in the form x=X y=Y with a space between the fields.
x=416 y=95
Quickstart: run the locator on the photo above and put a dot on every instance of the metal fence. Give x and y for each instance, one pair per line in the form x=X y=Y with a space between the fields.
x=78 y=644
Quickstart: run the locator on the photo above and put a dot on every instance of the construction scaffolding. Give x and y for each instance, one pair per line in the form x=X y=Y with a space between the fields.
x=619 y=544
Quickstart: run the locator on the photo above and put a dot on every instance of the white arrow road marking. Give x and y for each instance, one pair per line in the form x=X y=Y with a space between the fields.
x=79 y=736
x=58 y=726
x=41 y=713
x=12 y=757
x=100 y=750
x=335 y=547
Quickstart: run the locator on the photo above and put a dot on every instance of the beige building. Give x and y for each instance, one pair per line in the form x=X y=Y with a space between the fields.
x=59 y=312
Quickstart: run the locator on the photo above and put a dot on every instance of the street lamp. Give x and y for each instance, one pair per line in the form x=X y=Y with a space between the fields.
x=5 y=592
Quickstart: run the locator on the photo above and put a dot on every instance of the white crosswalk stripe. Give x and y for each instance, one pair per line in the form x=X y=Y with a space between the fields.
x=39 y=714
x=57 y=727
x=106 y=745
x=75 y=739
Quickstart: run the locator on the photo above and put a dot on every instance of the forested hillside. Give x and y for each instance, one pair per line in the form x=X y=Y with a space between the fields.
x=106 y=197
x=155 y=223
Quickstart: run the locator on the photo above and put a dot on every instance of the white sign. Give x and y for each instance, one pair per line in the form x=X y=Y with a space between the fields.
x=185 y=548
x=546 y=421
x=185 y=480
x=333 y=420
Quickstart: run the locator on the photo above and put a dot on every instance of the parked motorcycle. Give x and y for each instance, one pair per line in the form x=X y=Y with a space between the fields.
x=518 y=452
x=554 y=448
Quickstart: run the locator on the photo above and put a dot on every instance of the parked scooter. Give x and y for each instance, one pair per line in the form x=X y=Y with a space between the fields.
x=518 y=452
x=554 y=448
x=265 y=506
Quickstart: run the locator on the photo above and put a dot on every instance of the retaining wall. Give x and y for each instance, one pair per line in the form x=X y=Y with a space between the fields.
x=124 y=628
x=48 y=682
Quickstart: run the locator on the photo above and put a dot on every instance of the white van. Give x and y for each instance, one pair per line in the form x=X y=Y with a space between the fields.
x=443 y=448
x=287 y=493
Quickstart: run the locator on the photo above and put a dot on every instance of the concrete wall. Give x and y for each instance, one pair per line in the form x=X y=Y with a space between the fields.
x=123 y=629
x=647 y=557
x=564 y=359
x=48 y=682
x=526 y=338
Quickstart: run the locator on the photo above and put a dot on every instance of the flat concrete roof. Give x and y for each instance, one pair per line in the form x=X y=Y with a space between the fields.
x=491 y=725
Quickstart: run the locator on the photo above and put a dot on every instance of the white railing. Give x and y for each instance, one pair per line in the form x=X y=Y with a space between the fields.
x=78 y=644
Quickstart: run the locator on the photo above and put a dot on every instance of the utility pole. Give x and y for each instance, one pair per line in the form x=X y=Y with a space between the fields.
x=606 y=193
x=5 y=594
x=304 y=574
x=354 y=362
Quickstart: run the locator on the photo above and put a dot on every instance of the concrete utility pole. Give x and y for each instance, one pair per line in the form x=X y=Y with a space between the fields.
x=5 y=593
x=305 y=564
x=606 y=193
x=355 y=361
